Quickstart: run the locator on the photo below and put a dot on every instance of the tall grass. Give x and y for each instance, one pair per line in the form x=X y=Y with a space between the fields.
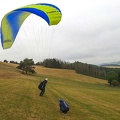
x=89 y=98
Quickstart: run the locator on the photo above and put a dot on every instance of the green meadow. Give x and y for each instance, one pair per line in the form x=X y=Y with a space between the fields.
x=89 y=98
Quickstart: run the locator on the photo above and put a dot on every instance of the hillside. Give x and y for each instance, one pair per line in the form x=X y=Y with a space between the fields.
x=8 y=70
x=67 y=74
x=89 y=98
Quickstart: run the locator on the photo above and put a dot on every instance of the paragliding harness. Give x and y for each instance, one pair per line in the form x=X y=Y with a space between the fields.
x=40 y=86
x=64 y=107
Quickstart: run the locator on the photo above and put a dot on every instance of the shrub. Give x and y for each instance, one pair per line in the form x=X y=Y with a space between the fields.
x=112 y=75
x=115 y=83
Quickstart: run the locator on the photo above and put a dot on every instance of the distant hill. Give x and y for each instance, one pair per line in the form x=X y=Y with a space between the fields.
x=111 y=64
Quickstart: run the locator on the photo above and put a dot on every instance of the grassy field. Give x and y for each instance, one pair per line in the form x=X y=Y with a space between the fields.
x=89 y=98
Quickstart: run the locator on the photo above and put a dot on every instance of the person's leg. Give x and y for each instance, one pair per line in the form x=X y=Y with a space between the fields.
x=42 y=92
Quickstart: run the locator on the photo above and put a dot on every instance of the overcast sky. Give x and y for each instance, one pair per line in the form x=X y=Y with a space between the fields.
x=89 y=32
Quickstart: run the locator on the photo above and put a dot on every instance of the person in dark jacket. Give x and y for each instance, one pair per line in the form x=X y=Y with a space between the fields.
x=64 y=107
x=42 y=86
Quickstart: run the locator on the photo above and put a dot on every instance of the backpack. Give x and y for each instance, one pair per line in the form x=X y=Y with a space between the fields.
x=40 y=86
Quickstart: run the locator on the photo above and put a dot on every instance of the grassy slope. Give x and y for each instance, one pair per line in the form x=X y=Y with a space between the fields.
x=89 y=98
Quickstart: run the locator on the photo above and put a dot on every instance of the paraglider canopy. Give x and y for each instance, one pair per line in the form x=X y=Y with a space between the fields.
x=13 y=20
